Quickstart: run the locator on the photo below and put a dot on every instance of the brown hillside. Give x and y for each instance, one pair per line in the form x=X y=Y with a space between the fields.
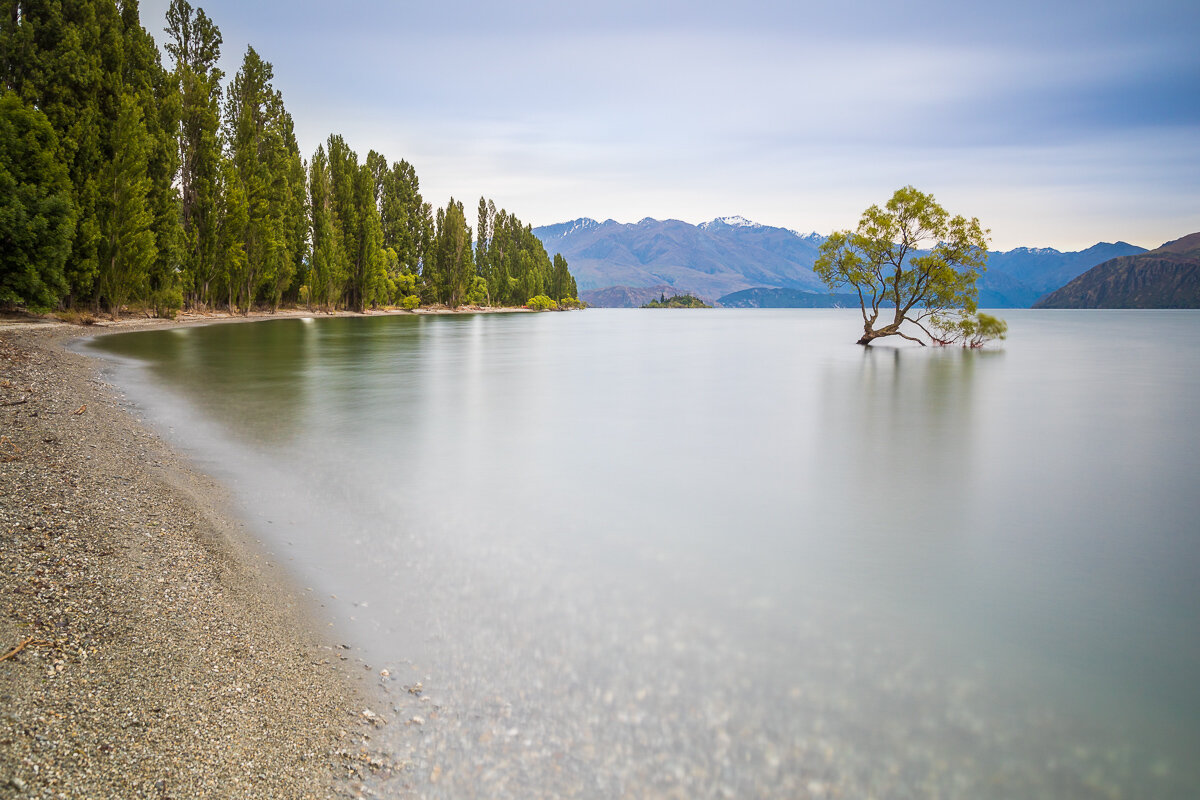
x=1168 y=277
x=1188 y=244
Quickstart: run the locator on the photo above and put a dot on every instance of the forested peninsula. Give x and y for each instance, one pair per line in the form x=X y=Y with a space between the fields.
x=124 y=183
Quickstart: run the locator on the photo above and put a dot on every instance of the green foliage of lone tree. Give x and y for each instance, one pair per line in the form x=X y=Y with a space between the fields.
x=973 y=332
x=911 y=262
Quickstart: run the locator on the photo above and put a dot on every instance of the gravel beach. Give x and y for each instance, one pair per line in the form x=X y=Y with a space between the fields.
x=150 y=649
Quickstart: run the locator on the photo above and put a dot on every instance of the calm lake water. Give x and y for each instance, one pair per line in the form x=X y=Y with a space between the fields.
x=730 y=553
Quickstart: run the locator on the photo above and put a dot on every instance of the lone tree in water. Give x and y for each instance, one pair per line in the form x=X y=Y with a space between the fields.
x=909 y=262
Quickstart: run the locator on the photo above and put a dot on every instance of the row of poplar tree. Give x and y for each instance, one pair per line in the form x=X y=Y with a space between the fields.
x=123 y=181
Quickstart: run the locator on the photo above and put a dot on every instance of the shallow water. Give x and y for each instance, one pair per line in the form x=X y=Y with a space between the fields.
x=729 y=553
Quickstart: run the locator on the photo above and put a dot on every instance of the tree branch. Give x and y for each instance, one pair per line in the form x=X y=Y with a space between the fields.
x=904 y=335
x=922 y=327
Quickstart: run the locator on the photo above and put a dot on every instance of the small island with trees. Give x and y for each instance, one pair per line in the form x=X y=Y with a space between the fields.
x=677 y=301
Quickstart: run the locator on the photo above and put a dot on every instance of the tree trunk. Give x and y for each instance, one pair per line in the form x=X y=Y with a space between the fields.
x=869 y=335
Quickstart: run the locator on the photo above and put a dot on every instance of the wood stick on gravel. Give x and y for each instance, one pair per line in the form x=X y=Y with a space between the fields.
x=30 y=641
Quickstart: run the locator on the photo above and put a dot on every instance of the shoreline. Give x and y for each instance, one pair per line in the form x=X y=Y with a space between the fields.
x=159 y=651
x=129 y=322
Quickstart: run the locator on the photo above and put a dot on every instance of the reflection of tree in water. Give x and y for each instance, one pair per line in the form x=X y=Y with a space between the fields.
x=241 y=376
x=359 y=370
x=262 y=379
x=899 y=446
x=910 y=413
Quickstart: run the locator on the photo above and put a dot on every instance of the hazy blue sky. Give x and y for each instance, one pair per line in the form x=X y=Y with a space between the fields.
x=1056 y=123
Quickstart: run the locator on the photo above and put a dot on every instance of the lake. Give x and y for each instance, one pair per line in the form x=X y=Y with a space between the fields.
x=729 y=553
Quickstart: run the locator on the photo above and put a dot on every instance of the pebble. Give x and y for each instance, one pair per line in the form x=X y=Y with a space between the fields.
x=161 y=665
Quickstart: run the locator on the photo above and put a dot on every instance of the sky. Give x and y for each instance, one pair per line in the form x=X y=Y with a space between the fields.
x=1058 y=123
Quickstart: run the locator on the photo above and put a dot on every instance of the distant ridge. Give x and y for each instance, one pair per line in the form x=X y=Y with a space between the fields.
x=709 y=260
x=1017 y=278
x=625 y=296
x=1168 y=277
x=731 y=254
x=786 y=298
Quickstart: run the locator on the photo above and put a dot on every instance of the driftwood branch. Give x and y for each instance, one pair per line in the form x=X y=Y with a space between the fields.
x=31 y=640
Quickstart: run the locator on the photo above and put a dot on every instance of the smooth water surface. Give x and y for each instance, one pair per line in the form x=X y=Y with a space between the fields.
x=730 y=553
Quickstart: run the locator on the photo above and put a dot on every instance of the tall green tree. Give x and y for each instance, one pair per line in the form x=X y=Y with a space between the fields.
x=158 y=96
x=233 y=222
x=910 y=263
x=354 y=189
x=369 y=267
x=128 y=251
x=562 y=283
x=498 y=258
x=64 y=58
x=343 y=175
x=36 y=215
x=485 y=219
x=403 y=214
x=262 y=147
x=194 y=44
x=297 y=234
x=452 y=267
x=290 y=208
x=328 y=274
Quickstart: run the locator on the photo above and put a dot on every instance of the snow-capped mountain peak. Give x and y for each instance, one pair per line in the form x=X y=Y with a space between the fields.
x=1037 y=251
x=564 y=229
x=731 y=222
x=581 y=224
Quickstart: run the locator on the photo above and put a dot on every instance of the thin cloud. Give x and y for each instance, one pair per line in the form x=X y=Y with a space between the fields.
x=1026 y=114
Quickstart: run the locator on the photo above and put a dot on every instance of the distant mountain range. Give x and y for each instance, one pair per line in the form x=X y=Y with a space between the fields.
x=625 y=296
x=787 y=298
x=1017 y=278
x=708 y=260
x=618 y=264
x=1168 y=277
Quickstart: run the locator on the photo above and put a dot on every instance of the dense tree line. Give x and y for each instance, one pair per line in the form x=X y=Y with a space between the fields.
x=125 y=181
x=513 y=266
